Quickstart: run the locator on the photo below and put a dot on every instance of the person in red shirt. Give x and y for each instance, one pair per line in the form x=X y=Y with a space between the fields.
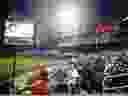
x=40 y=79
x=104 y=28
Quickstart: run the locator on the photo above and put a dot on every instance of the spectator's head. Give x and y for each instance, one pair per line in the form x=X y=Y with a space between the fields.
x=92 y=60
x=39 y=71
x=83 y=59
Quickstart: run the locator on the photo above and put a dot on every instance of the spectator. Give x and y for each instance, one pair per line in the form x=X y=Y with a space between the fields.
x=87 y=74
x=39 y=71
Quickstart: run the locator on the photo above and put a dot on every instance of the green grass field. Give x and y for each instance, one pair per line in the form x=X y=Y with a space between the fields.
x=23 y=60
x=7 y=60
x=30 y=60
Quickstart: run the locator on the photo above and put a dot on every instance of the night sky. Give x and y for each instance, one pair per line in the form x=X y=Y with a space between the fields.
x=24 y=7
x=104 y=7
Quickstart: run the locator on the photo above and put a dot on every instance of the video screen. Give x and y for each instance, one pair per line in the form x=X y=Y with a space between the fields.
x=19 y=32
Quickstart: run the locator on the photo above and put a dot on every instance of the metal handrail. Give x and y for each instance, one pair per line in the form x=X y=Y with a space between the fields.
x=116 y=75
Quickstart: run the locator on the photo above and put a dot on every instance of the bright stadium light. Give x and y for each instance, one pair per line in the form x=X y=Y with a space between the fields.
x=66 y=18
x=66 y=22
